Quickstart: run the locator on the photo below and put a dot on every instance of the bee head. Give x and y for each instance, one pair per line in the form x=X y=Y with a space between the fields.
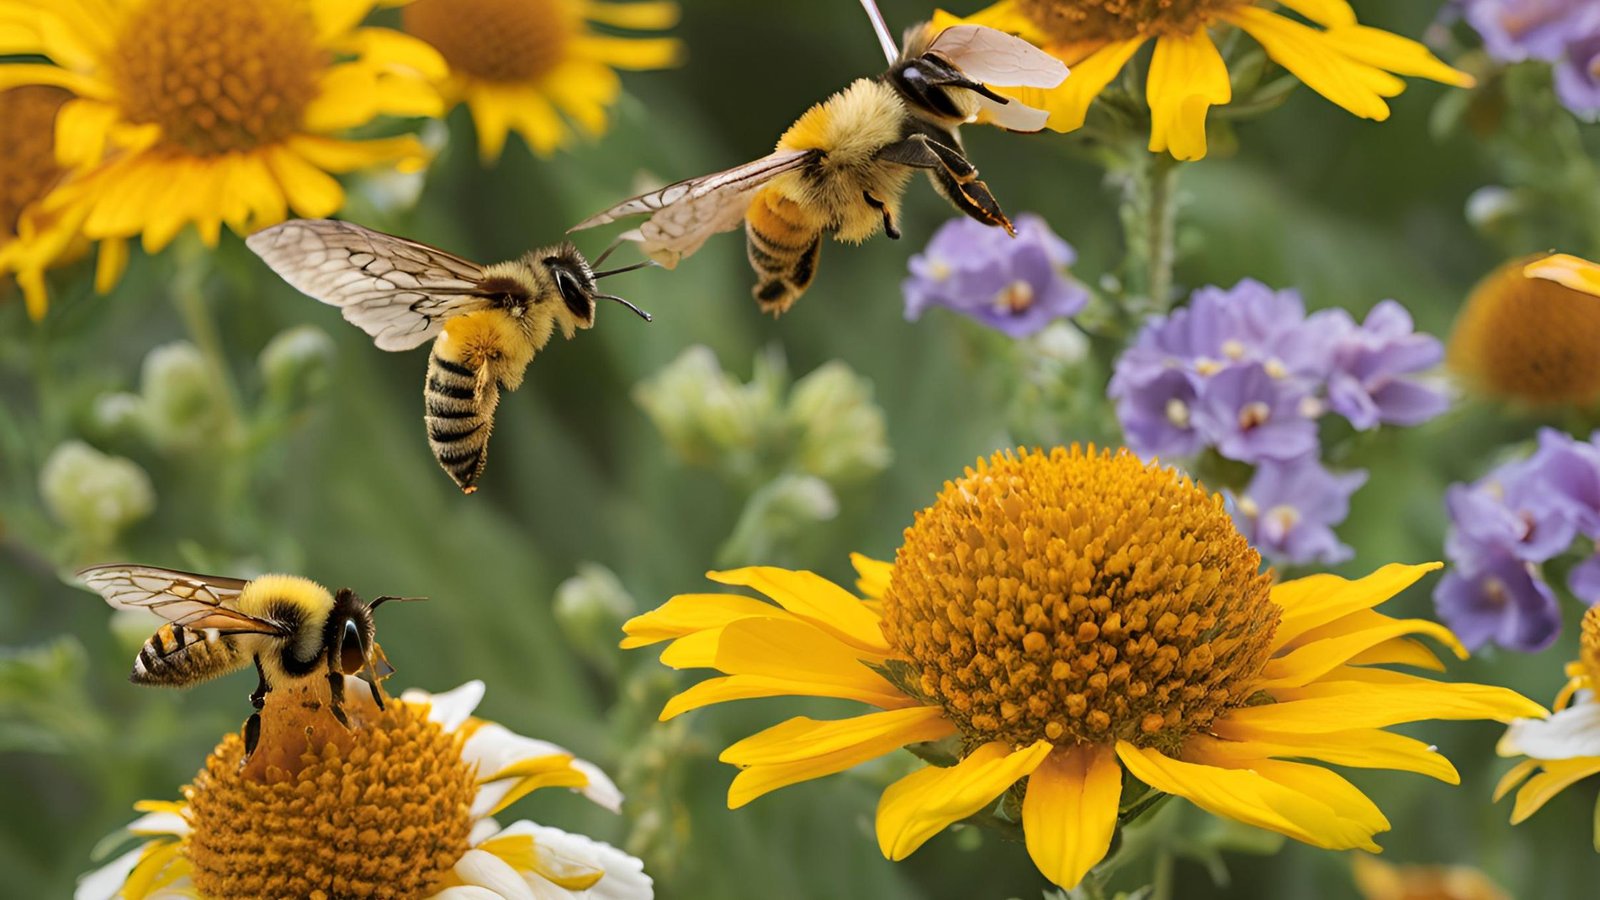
x=575 y=285
x=352 y=645
x=935 y=87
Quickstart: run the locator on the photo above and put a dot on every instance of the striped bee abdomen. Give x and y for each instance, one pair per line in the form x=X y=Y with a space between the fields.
x=460 y=403
x=783 y=245
x=176 y=656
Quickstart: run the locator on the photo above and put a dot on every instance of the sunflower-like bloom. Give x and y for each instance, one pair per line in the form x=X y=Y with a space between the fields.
x=523 y=65
x=28 y=169
x=1564 y=748
x=207 y=113
x=398 y=805
x=1349 y=63
x=1528 y=332
x=1058 y=621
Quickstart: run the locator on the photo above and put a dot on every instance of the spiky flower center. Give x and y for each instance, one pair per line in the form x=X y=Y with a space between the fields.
x=1079 y=597
x=496 y=40
x=1529 y=339
x=218 y=77
x=27 y=156
x=1072 y=21
x=1589 y=646
x=380 y=810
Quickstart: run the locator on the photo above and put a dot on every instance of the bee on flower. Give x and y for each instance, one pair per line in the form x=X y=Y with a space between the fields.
x=1082 y=631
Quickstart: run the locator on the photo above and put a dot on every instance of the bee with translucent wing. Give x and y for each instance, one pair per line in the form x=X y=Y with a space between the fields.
x=486 y=321
x=842 y=168
x=291 y=628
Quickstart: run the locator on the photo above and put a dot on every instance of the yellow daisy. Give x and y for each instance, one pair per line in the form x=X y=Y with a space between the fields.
x=1528 y=332
x=523 y=65
x=1333 y=54
x=1564 y=748
x=1062 y=620
x=1567 y=270
x=1377 y=880
x=211 y=113
x=400 y=805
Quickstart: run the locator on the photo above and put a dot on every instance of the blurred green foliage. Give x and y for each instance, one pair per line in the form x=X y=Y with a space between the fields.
x=276 y=437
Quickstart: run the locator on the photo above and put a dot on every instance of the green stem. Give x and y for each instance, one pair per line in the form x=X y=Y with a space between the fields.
x=1161 y=886
x=188 y=294
x=1150 y=222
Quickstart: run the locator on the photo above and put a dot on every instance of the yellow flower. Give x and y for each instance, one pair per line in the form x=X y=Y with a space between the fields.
x=210 y=113
x=28 y=169
x=1564 y=748
x=521 y=65
x=1529 y=330
x=398 y=805
x=1378 y=880
x=1349 y=63
x=1063 y=620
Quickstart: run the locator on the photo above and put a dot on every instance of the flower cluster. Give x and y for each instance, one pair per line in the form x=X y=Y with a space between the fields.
x=1014 y=285
x=1564 y=33
x=1245 y=372
x=1504 y=526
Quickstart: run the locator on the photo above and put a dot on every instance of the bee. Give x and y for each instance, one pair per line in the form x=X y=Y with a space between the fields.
x=486 y=322
x=842 y=167
x=291 y=628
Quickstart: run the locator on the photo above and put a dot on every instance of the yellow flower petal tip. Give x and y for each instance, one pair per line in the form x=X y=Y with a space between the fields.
x=1527 y=332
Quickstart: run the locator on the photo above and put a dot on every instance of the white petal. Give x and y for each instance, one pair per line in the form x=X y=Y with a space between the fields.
x=489 y=797
x=624 y=877
x=450 y=708
x=484 y=869
x=483 y=829
x=466 y=892
x=180 y=889
x=1572 y=732
x=106 y=882
x=493 y=747
x=159 y=824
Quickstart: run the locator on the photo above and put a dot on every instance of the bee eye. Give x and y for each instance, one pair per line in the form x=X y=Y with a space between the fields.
x=351 y=655
x=572 y=294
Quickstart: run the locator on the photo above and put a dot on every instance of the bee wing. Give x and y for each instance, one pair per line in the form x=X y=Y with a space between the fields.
x=397 y=290
x=683 y=215
x=994 y=57
x=183 y=598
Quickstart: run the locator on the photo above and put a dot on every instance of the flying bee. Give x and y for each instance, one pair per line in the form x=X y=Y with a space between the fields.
x=291 y=628
x=842 y=167
x=486 y=322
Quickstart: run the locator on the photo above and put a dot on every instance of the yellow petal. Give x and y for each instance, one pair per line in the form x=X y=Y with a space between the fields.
x=1400 y=652
x=1393 y=53
x=649 y=16
x=18 y=74
x=1365 y=748
x=816 y=600
x=1514 y=777
x=634 y=54
x=1324 y=12
x=924 y=803
x=1315 y=601
x=82 y=129
x=1246 y=796
x=1187 y=77
x=802 y=749
x=1324 y=649
x=558 y=774
x=1304 y=51
x=336 y=17
x=491 y=117
x=1069 y=813
x=689 y=613
x=1069 y=103
x=745 y=687
x=584 y=91
x=1567 y=270
x=1003 y=16
x=780 y=648
x=337 y=155
x=872 y=575
x=1375 y=698
x=312 y=192
x=1557 y=776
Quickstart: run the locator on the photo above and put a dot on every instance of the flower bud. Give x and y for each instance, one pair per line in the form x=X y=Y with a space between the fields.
x=116 y=414
x=296 y=364
x=183 y=402
x=775 y=517
x=590 y=608
x=840 y=430
x=93 y=494
x=702 y=411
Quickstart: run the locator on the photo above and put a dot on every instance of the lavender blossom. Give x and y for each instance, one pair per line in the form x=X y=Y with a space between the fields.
x=1578 y=72
x=1289 y=509
x=1584 y=580
x=1517 y=30
x=1015 y=285
x=1250 y=416
x=1158 y=418
x=1367 y=384
x=1503 y=600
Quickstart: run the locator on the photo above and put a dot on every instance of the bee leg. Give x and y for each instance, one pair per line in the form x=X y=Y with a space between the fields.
x=888 y=217
x=957 y=179
x=252 y=737
x=377 y=695
x=336 y=697
x=258 y=697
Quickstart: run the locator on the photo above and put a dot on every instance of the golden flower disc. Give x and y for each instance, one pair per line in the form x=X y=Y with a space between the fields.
x=1529 y=339
x=381 y=810
x=27 y=156
x=218 y=77
x=1071 y=21
x=1589 y=646
x=496 y=40
x=1078 y=597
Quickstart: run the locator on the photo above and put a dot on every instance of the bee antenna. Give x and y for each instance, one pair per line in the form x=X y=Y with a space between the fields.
x=620 y=270
x=599 y=260
x=890 y=48
x=379 y=601
x=636 y=310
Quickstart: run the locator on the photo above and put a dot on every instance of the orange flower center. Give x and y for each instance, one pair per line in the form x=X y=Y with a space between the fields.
x=382 y=809
x=27 y=156
x=1071 y=21
x=1080 y=598
x=1529 y=339
x=1589 y=646
x=218 y=77
x=496 y=40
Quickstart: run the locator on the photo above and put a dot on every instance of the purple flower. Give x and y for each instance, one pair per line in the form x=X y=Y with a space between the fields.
x=1250 y=416
x=1578 y=72
x=1015 y=285
x=1157 y=418
x=1515 y=30
x=1584 y=580
x=1503 y=600
x=1517 y=510
x=1289 y=509
x=1367 y=383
